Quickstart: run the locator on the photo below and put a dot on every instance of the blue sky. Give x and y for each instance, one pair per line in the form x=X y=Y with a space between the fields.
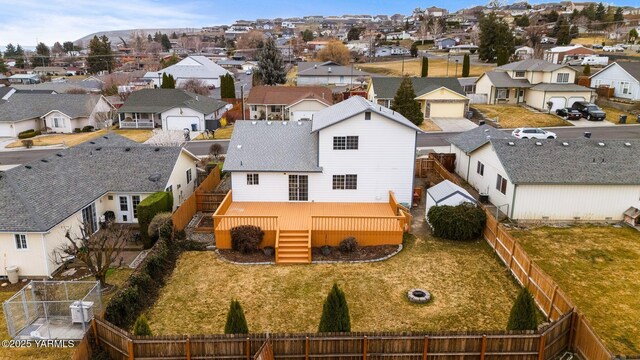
x=29 y=21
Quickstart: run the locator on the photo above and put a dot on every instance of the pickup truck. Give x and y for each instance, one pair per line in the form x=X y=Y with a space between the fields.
x=589 y=111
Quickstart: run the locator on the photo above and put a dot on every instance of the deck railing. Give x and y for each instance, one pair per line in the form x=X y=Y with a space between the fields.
x=400 y=210
x=137 y=124
x=368 y=230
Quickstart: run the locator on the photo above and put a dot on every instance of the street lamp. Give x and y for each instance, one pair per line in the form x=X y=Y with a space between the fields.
x=159 y=75
x=456 y=67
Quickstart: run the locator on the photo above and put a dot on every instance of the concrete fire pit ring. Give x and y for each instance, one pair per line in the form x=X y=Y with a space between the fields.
x=418 y=296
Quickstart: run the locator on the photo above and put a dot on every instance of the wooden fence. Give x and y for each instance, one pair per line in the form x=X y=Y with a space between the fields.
x=424 y=166
x=200 y=200
x=427 y=346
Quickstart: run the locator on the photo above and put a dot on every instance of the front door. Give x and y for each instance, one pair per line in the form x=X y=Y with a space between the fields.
x=520 y=95
x=298 y=187
x=124 y=209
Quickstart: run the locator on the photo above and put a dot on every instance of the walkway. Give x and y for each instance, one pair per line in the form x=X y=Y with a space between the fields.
x=454 y=124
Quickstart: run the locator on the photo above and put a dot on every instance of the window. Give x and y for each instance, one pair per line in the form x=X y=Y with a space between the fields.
x=345 y=182
x=254 y=107
x=169 y=189
x=480 y=168
x=58 y=122
x=253 y=179
x=519 y=74
x=124 y=203
x=503 y=94
x=625 y=86
x=596 y=83
x=339 y=143
x=135 y=200
x=367 y=115
x=501 y=184
x=89 y=218
x=21 y=241
x=189 y=176
x=275 y=108
x=352 y=143
x=563 y=78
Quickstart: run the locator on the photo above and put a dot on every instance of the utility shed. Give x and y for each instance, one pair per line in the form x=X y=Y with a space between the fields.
x=447 y=193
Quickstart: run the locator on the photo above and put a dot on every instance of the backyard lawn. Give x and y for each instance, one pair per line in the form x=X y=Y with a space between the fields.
x=470 y=290
x=223 y=132
x=513 y=116
x=78 y=138
x=599 y=268
x=413 y=67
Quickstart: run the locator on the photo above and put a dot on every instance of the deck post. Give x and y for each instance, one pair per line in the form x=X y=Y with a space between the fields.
x=541 y=347
x=425 y=347
x=187 y=348
x=364 y=348
x=247 y=346
x=483 y=349
x=95 y=331
x=572 y=329
x=306 y=348
x=130 y=349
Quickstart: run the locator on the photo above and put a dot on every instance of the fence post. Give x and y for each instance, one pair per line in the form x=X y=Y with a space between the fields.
x=572 y=329
x=247 y=347
x=425 y=347
x=364 y=348
x=483 y=349
x=306 y=348
x=529 y=274
x=512 y=253
x=130 y=349
x=187 y=348
x=95 y=331
x=541 y=347
x=553 y=299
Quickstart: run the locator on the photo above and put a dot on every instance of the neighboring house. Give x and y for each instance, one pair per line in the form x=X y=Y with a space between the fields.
x=243 y=65
x=445 y=43
x=59 y=113
x=624 y=77
x=398 y=36
x=436 y=11
x=564 y=54
x=170 y=109
x=24 y=79
x=463 y=49
x=193 y=67
x=468 y=84
x=44 y=199
x=50 y=70
x=317 y=177
x=536 y=83
x=438 y=97
x=61 y=87
x=555 y=180
x=447 y=193
x=329 y=73
x=524 y=53
x=287 y=102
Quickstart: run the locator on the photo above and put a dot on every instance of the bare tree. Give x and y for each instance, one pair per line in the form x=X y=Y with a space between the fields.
x=138 y=41
x=250 y=40
x=435 y=28
x=196 y=86
x=215 y=149
x=534 y=36
x=99 y=250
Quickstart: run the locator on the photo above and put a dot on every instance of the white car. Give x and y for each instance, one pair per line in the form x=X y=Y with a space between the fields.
x=533 y=133
x=612 y=49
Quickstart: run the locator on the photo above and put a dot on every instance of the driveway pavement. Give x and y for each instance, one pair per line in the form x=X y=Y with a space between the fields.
x=454 y=124
x=586 y=123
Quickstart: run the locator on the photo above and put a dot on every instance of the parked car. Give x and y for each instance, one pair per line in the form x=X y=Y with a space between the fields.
x=589 y=111
x=569 y=114
x=624 y=46
x=596 y=46
x=533 y=133
x=613 y=49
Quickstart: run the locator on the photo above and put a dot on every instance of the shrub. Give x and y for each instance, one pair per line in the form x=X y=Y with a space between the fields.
x=523 y=313
x=26 y=131
x=27 y=143
x=77 y=130
x=158 y=202
x=246 y=238
x=159 y=220
x=109 y=216
x=335 y=312
x=462 y=222
x=141 y=327
x=348 y=245
x=88 y=128
x=236 y=322
x=29 y=134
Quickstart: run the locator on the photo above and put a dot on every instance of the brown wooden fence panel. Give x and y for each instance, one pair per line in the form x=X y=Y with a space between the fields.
x=83 y=349
x=558 y=337
x=185 y=212
x=587 y=343
x=113 y=340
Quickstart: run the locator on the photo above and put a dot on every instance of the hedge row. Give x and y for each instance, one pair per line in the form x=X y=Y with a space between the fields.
x=463 y=222
x=28 y=134
x=158 y=202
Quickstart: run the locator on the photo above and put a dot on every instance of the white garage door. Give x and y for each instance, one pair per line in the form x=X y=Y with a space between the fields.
x=298 y=115
x=558 y=103
x=182 y=122
x=447 y=110
x=574 y=99
x=6 y=130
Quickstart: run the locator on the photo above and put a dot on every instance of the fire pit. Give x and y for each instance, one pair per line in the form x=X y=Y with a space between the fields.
x=418 y=296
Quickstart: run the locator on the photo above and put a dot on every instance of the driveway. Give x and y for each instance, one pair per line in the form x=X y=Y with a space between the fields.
x=454 y=124
x=586 y=123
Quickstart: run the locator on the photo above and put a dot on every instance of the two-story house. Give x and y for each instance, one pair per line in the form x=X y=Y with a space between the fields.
x=536 y=83
x=314 y=183
x=329 y=73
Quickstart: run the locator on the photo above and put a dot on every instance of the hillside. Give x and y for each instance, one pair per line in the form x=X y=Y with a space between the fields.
x=114 y=35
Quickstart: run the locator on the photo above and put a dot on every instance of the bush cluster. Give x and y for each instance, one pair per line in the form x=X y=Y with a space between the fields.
x=29 y=134
x=463 y=222
x=159 y=223
x=158 y=202
x=348 y=245
x=28 y=143
x=246 y=238
x=87 y=128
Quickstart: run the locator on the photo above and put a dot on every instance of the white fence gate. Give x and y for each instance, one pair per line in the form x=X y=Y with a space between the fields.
x=477 y=98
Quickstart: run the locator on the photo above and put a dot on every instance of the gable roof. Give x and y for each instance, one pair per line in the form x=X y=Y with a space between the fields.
x=469 y=141
x=354 y=106
x=267 y=146
x=196 y=67
x=531 y=65
x=322 y=69
x=30 y=106
x=44 y=192
x=560 y=49
x=561 y=87
x=287 y=95
x=582 y=161
x=501 y=79
x=159 y=100
x=446 y=189
x=386 y=87
x=631 y=67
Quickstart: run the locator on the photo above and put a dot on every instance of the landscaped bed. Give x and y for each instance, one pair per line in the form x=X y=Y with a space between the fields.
x=469 y=288
x=513 y=116
x=78 y=138
x=362 y=253
x=599 y=268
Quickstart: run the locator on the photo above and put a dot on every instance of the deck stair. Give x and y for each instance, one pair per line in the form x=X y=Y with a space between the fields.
x=293 y=247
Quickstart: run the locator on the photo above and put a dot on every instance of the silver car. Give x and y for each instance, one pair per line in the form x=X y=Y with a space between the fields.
x=533 y=133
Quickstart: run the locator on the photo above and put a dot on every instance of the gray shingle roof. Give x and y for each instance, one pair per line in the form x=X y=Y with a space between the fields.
x=386 y=87
x=61 y=87
x=35 y=199
x=354 y=106
x=632 y=67
x=322 y=69
x=30 y=106
x=531 y=65
x=560 y=87
x=445 y=189
x=159 y=100
x=203 y=69
x=272 y=146
x=582 y=161
x=471 y=140
x=501 y=79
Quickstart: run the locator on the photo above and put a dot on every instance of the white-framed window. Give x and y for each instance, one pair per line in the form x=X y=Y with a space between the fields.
x=480 y=168
x=367 y=115
x=502 y=94
x=135 y=200
x=562 y=78
x=519 y=74
x=501 y=184
x=254 y=107
x=189 y=176
x=345 y=182
x=253 y=179
x=169 y=189
x=21 y=241
x=90 y=219
x=625 y=87
x=58 y=122
x=345 y=143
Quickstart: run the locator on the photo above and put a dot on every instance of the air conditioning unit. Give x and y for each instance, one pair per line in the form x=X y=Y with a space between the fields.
x=81 y=311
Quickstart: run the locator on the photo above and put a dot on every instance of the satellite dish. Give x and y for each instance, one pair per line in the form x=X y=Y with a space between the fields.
x=154 y=177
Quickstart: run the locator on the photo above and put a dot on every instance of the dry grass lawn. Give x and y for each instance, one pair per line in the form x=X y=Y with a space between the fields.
x=513 y=116
x=613 y=115
x=413 y=67
x=78 y=138
x=138 y=135
x=223 y=132
x=599 y=268
x=470 y=290
x=429 y=125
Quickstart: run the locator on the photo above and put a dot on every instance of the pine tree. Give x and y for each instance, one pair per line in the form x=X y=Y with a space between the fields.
x=601 y=12
x=3 y=66
x=335 y=312
x=564 y=32
x=21 y=62
x=495 y=38
x=633 y=35
x=168 y=82
x=270 y=64
x=425 y=67
x=503 y=57
x=141 y=326
x=523 y=314
x=618 y=16
x=100 y=56
x=9 y=51
x=414 y=50
x=405 y=102
x=236 y=322
x=227 y=87
x=43 y=55
x=165 y=42
x=587 y=70
x=466 y=65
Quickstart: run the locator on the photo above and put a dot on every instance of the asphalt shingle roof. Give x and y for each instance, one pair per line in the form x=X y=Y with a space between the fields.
x=386 y=87
x=202 y=69
x=560 y=87
x=632 y=67
x=581 y=161
x=29 y=106
x=502 y=79
x=272 y=146
x=471 y=140
x=446 y=189
x=322 y=69
x=159 y=100
x=531 y=65
x=38 y=195
x=287 y=95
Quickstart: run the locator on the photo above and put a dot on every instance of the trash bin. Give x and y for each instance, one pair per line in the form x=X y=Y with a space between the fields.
x=194 y=127
x=638 y=119
x=587 y=134
x=12 y=274
x=469 y=115
x=622 y=119
x=481 y=122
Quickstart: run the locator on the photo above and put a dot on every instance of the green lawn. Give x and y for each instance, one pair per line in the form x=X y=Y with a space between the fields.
x=599 y=268
x=470 y=289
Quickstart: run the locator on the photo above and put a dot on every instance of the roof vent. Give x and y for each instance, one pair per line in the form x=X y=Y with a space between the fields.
x=299 y=122
x=127 y=149
x=59 y=155
x=254 y=122
x=511 y=143
x=329 y=70
x=98 y=149
x=92 y=142
x=627 y=144
x=156 y=149
x=284 y=123
x=600 y=144
x=44 y=160
x=239 y=146
x=565 y=144
x=538 y=143
x=486 y=130
x=28 y=166
x=315 y=66
x=268 y=122
x=106 y=137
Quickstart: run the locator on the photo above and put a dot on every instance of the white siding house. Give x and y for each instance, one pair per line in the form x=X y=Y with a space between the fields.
x=447 y=193
x=624 y=77
x=193 y=67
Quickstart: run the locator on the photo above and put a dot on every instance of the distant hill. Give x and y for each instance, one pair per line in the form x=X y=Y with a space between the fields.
x=115 y=35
